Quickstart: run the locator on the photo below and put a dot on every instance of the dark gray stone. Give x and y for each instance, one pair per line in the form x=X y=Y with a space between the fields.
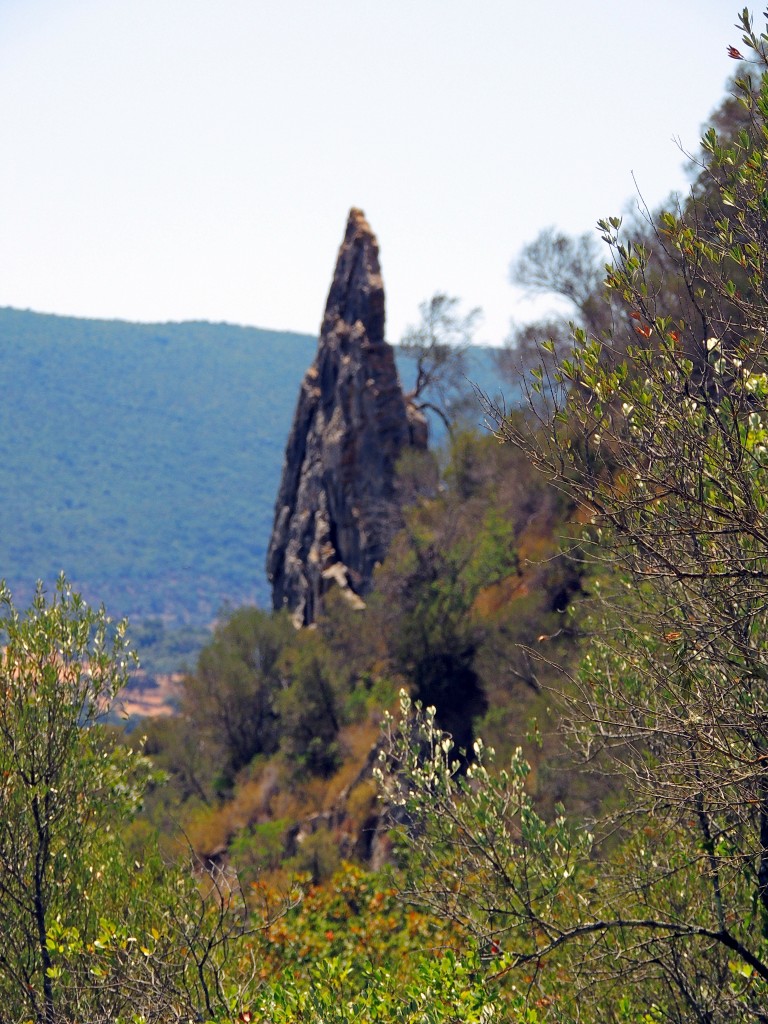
x=338 y=508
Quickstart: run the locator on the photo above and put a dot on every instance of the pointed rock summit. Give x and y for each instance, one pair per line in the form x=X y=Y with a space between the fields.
x=338 y=508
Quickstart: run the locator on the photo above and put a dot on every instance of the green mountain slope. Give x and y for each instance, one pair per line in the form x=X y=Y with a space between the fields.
x=144 y=459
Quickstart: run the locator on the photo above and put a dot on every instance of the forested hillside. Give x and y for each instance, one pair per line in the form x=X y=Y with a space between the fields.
x=144 y=459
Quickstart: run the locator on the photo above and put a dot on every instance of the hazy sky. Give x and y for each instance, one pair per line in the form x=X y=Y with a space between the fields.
x=196 y=159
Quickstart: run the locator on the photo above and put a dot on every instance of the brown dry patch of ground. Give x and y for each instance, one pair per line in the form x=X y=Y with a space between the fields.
x=152 y=696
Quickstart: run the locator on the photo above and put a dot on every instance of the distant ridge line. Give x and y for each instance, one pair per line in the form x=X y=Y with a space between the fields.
x=282 y=332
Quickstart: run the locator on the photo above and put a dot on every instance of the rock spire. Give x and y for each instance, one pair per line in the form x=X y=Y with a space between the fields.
x=337 y=508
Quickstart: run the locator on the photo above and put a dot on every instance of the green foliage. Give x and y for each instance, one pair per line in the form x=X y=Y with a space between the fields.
x=260 y=688
x=163 y=504
x=230 y=700
x=516 y=870
x=662 y=444
x=89 y=933
x=441 y=593
x=448 y=989
x=352 y=950
x=356 y=916
x=318 y=856
x=310 y=708
x=62 y=789
x=164 y=953
x=564 y=922
x=428 y=601
x=258 y=849
x=418 y=475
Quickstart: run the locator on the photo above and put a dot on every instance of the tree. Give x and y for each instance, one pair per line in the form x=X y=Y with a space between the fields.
x=451 y=548
x=664 y=447
x=571 y=268
x=230 y=699
x=476 y=853
x=88 y=933
x=438 y=345
x=568 y=268
x=310 y=707
x=62 y=789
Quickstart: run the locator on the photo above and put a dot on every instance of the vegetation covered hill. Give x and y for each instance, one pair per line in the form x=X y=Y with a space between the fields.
x=144 y=459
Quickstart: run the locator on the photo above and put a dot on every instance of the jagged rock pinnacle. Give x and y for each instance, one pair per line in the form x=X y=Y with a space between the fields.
x=337 y=508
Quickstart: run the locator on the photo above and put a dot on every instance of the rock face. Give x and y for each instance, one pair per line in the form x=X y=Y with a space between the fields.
x=337 y=508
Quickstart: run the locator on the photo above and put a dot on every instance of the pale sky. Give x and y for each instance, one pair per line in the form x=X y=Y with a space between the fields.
x=196 y=159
